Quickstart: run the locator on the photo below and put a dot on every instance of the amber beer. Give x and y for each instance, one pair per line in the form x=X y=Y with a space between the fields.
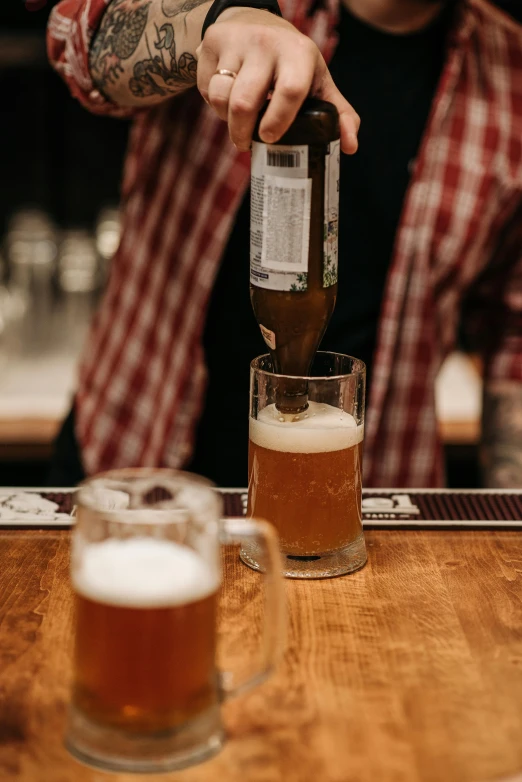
x=145 y=566
x=293 y=244
x=305 y=476
x=145 y=635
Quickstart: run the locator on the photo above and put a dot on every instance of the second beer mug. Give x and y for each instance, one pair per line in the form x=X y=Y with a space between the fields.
x=146 y=571
x=305 y=468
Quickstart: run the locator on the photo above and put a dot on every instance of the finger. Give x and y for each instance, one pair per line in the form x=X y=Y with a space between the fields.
x=207 y=65
x=292 y=86
x=249 y=93
x=219 y=90
x=349 y=120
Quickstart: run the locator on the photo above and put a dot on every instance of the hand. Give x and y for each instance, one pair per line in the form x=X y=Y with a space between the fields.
x=269 y=55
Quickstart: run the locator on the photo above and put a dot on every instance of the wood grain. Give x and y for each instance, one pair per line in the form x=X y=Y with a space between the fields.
x=408 y=671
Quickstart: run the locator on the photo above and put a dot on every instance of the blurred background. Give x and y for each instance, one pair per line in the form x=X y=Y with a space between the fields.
x=59 y=228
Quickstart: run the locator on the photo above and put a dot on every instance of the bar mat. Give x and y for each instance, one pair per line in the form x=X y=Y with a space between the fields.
x=424 y=508
x=472 y=509
x=415 y=509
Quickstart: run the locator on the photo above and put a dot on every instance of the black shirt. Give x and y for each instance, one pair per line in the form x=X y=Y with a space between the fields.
x=391 y=81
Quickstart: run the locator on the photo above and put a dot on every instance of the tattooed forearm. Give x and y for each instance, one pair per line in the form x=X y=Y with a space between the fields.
x=163 y=74
x=144 y=50
x=502 y=436
x=174 y=7
x=122 y=28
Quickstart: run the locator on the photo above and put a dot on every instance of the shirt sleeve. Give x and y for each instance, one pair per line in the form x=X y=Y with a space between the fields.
x=72 y=25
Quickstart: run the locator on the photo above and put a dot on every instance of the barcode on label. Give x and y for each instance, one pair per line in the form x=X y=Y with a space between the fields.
x=283 y=159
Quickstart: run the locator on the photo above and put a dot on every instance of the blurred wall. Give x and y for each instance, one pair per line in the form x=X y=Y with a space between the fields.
x=49 y=145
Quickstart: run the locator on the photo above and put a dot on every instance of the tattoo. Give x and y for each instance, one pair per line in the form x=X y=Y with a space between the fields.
x=502 y=435
x=163 y=75
x=173 y=7
x=125 y=25
x=118 y=38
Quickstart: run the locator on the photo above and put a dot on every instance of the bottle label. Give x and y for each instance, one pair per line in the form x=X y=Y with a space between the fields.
x=331 y=213
x=268 y=336
x=281 y=197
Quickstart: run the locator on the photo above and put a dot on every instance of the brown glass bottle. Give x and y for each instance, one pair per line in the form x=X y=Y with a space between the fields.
x=295 y=194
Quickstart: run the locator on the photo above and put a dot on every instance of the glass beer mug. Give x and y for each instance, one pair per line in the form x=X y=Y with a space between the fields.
x=305 y=467
x=145 y=568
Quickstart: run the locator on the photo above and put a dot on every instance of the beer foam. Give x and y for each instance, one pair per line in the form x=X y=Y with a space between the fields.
x=142 y=572
x=321 y=429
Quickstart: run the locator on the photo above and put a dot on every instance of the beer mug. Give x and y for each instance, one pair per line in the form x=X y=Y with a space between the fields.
x=145 y=567
x=305 y=466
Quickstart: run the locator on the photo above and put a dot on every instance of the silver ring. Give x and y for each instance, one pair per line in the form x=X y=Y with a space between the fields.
x=225 y=72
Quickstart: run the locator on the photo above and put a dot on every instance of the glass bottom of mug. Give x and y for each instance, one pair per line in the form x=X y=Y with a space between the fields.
x=111 y=749
x=336 y=563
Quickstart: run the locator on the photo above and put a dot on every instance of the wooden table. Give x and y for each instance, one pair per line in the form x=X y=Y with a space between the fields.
x=409 y=670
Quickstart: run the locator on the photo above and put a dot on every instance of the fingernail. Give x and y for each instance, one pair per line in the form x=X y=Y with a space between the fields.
x=268 y=136
x=354 y=143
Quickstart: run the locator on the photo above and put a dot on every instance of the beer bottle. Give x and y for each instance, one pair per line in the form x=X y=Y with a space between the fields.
x=293 y=242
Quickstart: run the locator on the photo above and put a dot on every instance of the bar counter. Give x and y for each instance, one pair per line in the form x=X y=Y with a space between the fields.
x=408 y=671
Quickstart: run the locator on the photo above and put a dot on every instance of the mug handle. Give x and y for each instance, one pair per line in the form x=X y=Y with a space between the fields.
x=235 y=531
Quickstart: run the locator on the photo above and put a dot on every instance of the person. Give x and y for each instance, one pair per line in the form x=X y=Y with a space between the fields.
x=430 y=221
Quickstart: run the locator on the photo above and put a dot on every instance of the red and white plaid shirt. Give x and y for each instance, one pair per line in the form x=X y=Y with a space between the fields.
x=142 y=379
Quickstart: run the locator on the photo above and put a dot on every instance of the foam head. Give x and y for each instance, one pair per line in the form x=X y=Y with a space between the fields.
x=142 y=573
x=321 y=429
